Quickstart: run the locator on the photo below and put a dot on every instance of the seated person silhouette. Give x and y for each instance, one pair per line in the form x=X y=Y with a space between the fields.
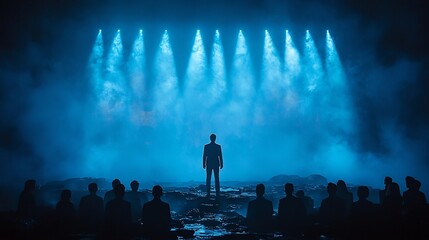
x=259 y=212
x=307 y=200
x=110 y=195
x=156 y=216
x=27 y=201
x=91 y=210
x=65 y=213
x=118 y=214
x=134 y=197
x=291 y=213
x=212 y=162
x=362 y=214
x=332 y=211
x=383 y=193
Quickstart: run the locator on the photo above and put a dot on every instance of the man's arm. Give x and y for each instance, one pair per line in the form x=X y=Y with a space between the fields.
x=204 y=158
x=220 y=157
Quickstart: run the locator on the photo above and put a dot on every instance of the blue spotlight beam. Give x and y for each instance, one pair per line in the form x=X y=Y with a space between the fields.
x=114 y=96
x=272 y=84
x=96 y=63
x=195 y=86
x=218 y=72
x=292 y=59
x=314 y=70
x=334 y=66
x=136 y=66
x=243 y=80
x=166 y=81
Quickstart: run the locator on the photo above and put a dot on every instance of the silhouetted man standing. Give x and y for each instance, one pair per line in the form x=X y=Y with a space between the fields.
x=212 y=161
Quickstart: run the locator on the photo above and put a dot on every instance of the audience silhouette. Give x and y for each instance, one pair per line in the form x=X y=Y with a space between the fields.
x=65 y=213
x=156 y=216
x=27 y=201
x=118 y=214
x=212 y=162
x=259 y=212
x=292 y=212
x=110 y=195
x=383 y=193
x=134 y=197
x=362 y=214
x=307 y=200
x=332 y=212
x=397 y=217
x=343 y=193
x=91 y=210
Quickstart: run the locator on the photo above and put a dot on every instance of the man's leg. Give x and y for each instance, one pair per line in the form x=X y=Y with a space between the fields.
x=217 y=183
x=208 y=180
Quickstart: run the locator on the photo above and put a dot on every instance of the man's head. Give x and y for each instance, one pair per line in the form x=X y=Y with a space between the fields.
x=363 y=192
x=119 y=190
x=289 y=188
x=66 y=195
x=388 y=180
x=157 y=191
x=260 y=190
x=30 y=185
x=213 y=137
x=115 y=183
x=409 y=181
x=134 y=185
x=332 y=189
x=92 y=188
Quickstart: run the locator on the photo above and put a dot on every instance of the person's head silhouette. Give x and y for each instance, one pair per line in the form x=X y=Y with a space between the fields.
x=332 y=189
x=341 y=186
x=66 y=195
x=260 y=190
x=92 y=188
x=409 y=181
x=289 y=189
x=119 y=191
x=388 y=180
x=134 y=186
x=115 y=183
x=363 y=192
x=157 y=191
x=30 y=185
x=213 y=138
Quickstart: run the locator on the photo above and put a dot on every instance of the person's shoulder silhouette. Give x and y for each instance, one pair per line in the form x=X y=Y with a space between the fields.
x=91 y=209
x=307 y=200
x=259 y=212
x=118 y=213
x=156 y=216
x=65 y=213
x=332 y=209
x=134 y=197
